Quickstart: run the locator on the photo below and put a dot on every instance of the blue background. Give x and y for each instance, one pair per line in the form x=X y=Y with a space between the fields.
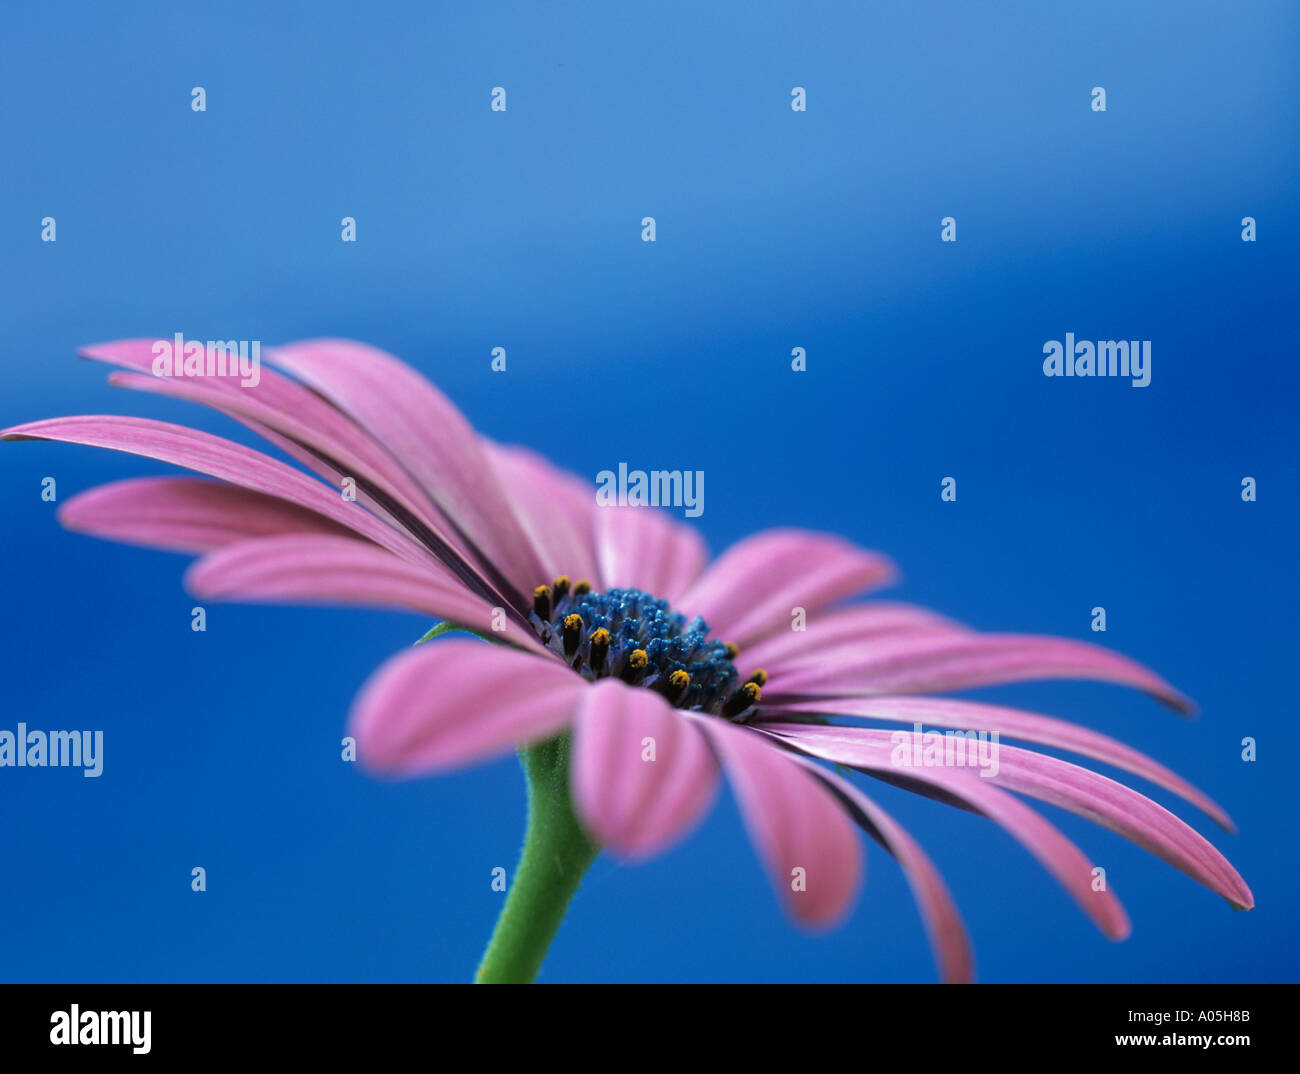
x=775 y=230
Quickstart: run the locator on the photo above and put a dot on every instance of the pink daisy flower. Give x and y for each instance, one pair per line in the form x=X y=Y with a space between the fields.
x=633 y=671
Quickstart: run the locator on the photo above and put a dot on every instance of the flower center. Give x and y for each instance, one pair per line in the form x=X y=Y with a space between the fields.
x=638 y=638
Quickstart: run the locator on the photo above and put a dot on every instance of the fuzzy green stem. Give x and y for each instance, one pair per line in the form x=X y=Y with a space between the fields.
x=556 y=855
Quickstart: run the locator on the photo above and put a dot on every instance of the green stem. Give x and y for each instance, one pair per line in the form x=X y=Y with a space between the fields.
x=556 y=855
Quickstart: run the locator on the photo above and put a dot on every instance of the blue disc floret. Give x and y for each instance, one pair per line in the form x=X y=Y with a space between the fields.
x=640 y=639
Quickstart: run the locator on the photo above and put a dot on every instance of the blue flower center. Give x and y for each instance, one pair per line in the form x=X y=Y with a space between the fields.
x=634 y=636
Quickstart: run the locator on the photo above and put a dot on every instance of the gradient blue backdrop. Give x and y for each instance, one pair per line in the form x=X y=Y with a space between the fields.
x=775 y=230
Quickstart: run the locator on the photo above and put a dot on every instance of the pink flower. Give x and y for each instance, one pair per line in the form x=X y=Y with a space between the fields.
x=604 y=612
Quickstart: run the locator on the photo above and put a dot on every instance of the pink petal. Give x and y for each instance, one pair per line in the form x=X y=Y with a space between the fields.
x=1056 y=853
x=793 y=820
x=975 y=716
x=342 y=570
x=185 y=514
x=1126 y=812
x=750 y=591
x=211 y=455
x=450 y=703
x=1081 y=791
x=642 y=548
x=634 y=805
x=943 y=923
x=423 y=428
x=553 y=508
x=275 y=402
x=324 y=440
x=934 y=664
x=845 y=626
x=331 y=447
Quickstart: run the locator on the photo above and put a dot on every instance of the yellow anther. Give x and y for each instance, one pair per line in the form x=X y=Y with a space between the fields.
x=582 y=588
x=744 y=698
x=759 y=677
x=636 y=663
x=599 y=649
x=674 y=686
x=572 y=633
x=542 y=601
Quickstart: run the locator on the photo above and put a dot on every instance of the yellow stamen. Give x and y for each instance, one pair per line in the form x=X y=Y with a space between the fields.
x=636 y=663
x=542 y=601
x=747 y=696
x=674 y=686
x=599 y=649
x=572 y=633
